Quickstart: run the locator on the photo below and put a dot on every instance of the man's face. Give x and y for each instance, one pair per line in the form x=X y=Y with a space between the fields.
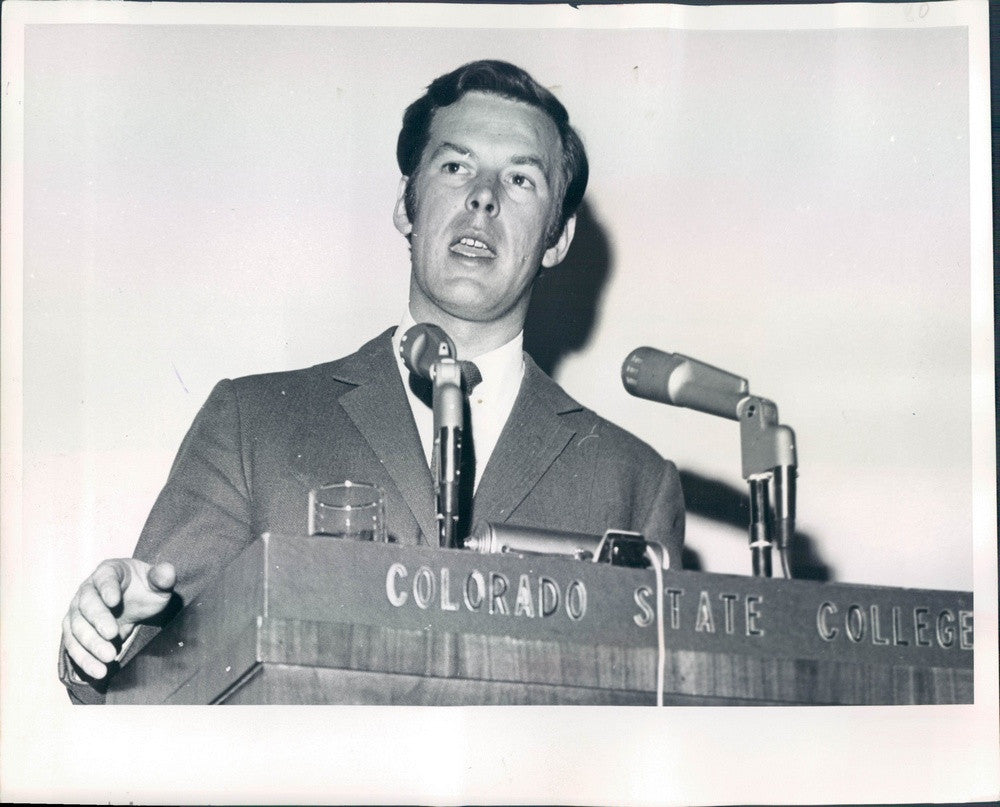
x=488 y=193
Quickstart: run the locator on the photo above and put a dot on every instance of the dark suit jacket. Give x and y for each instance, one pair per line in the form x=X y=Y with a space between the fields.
x=260 y=443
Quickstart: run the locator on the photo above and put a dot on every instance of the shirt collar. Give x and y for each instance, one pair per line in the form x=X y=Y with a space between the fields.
x=501 y=368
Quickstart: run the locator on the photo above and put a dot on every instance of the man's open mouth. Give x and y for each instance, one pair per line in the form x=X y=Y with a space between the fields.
x=469 y=247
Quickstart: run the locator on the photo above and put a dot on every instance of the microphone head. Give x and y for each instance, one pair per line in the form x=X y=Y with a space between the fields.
x=679 y=380
x=646 y=373
x=422 y=346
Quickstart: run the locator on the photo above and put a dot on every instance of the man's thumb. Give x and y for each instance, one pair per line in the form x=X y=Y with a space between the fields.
x=162 y=577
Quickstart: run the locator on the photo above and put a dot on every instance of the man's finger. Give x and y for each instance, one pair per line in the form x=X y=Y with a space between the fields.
x=92 y=641
x=95 y=611
x=81 y=635
x=111 y=579
x=83 y=659
x=162 y=577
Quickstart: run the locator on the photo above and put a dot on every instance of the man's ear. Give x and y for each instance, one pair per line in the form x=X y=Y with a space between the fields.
x=554 y=254
x=399 y=216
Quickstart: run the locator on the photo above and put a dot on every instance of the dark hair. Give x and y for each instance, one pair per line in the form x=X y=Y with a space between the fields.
x=507 y=81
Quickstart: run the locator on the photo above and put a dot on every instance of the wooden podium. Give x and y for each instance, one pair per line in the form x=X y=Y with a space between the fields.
x=319 y=620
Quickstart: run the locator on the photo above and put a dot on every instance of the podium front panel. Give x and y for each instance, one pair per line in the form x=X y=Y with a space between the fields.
x=321 y=620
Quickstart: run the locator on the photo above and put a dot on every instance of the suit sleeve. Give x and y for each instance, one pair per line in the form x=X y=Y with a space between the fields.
x=202 y=518
x=663 y=519
x=200 y=521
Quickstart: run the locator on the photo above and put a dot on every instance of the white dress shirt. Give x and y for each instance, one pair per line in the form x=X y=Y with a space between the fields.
x=490 y=403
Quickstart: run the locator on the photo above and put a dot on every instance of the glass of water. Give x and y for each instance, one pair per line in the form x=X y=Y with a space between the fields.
x=348 y=509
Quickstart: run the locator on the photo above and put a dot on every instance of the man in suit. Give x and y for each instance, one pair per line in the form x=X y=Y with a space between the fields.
x=492 y=173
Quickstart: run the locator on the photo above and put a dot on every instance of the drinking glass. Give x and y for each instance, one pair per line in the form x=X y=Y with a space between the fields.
x=348 y=509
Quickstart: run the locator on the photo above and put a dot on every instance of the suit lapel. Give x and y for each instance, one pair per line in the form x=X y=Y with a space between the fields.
x=530 y=442
x=532 y=439
x=380 y=411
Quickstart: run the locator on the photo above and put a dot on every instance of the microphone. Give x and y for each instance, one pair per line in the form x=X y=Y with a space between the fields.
x=427 y=351
x=422 y=346
x=767 y=447
x=672 y=378
x=617 y=547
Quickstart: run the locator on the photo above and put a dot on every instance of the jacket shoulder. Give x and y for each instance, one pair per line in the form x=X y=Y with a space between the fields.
x=614 y=439
x=619 y=444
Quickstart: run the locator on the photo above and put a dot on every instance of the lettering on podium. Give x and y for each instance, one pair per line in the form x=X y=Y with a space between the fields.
x=919 y=626
x=493 y=593
x=739 y=612
x=561 y=600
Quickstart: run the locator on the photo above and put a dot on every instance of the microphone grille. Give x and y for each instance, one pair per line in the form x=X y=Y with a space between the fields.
x=645 y=372
x=631 y=368
x=424 y=344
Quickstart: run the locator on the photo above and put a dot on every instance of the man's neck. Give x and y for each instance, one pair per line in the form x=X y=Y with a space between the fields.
x=471 y=338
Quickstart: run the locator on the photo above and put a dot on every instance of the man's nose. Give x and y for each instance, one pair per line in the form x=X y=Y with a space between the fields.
x=483 y=197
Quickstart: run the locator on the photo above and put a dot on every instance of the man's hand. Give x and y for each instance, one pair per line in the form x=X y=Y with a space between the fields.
x=107 y=605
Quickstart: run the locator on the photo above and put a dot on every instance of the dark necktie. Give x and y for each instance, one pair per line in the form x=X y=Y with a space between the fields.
x=470 y=375
x=467 y=482
x=424 y=389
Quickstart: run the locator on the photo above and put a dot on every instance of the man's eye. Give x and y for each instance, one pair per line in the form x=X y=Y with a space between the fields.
x=454 y=168
x=521 y=181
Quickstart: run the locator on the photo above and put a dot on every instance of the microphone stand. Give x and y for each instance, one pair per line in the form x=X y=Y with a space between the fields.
x=769 y=462
x=767 y=447
x=448 y=401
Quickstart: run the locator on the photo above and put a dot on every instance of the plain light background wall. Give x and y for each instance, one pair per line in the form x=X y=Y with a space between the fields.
x=204 y=201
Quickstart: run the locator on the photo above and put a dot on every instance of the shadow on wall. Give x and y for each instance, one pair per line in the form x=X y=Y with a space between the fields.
x=561 y=320
x=565 y=299
x=722 y=503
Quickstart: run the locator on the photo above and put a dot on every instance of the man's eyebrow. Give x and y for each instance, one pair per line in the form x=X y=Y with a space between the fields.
x=446 y=146
x=528 y=159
